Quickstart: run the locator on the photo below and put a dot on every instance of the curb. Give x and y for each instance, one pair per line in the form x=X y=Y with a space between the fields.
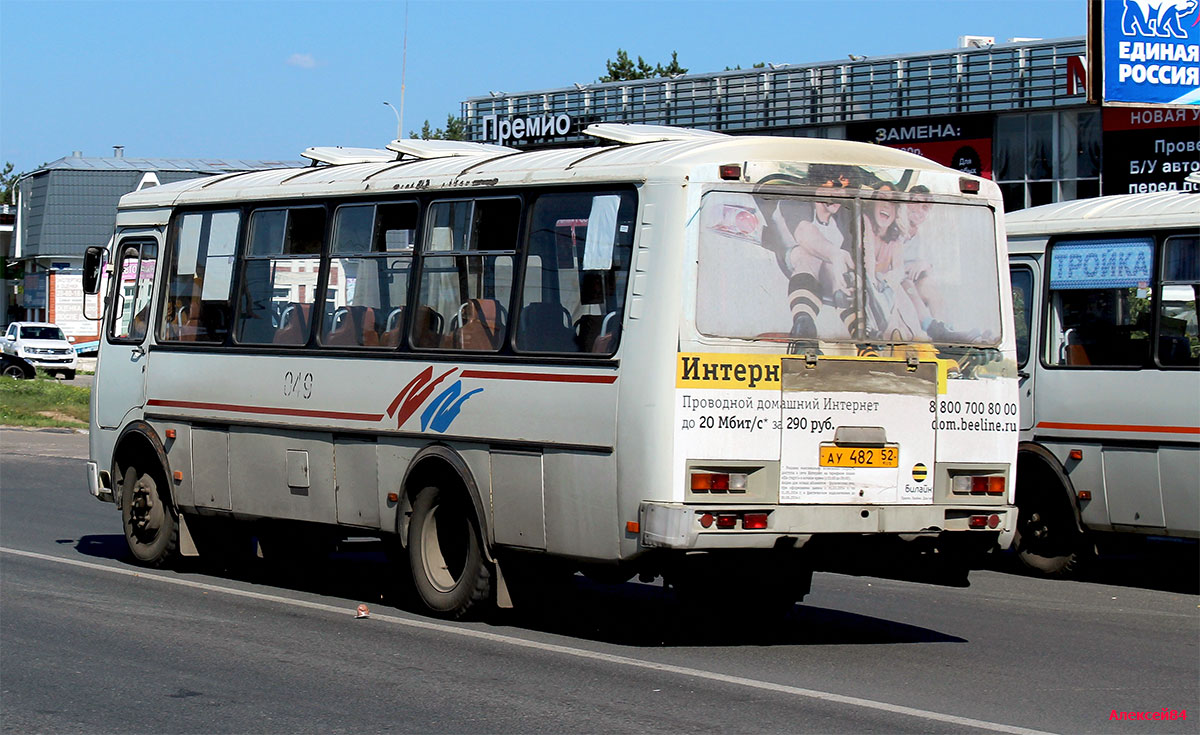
x=45 y=429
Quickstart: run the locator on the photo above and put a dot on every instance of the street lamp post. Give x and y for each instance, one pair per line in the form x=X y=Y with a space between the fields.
x=399 y=123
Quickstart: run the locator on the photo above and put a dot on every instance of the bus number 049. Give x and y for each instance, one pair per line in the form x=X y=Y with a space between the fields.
x=297 y=384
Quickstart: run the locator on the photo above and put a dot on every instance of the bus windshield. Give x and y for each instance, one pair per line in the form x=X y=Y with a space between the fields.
x=890 y=267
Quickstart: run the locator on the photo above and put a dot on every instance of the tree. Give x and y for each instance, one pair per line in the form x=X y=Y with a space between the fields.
x=456 y=129
x=623 y=69
x=759 y=65
x=670 y=70
x=8 y=184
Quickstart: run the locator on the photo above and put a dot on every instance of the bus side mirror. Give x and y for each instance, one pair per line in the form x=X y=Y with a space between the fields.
x=93 y=258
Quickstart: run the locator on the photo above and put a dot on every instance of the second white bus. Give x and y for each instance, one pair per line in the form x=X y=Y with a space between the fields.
x=1105 y=292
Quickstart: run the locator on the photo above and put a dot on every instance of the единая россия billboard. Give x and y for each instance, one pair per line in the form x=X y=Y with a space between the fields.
x=1152 y=52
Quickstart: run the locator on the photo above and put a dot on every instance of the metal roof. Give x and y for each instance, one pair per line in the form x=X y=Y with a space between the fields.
x=673 y=159
x=196 y=165
x=995 y=78
x=1165 y=209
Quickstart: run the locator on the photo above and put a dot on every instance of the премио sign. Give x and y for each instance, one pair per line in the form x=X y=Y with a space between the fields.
x=1152 y=52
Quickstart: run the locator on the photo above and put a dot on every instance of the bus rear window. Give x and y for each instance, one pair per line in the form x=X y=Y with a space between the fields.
x=882 y=267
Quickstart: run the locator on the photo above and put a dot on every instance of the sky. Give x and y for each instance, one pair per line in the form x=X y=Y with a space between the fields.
x=265 y=80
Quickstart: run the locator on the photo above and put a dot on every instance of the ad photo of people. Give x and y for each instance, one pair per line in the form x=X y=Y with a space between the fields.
x=854 y=258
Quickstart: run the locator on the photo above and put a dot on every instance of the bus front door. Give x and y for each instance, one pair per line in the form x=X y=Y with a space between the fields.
x=1025 y=291
x=121 y=369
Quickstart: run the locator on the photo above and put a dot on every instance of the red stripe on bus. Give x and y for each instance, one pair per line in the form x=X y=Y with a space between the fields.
x=1121 y=427
x=300 y=412
x=545 y=377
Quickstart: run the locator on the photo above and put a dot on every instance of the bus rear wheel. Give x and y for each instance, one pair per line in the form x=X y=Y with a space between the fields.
x=445 y=554
x=1047 y=541
x=149 y=520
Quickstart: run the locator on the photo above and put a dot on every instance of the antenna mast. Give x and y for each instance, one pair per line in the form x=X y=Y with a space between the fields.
x=403 y=71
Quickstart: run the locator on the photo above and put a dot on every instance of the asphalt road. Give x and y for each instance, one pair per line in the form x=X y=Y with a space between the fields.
x=91 y=643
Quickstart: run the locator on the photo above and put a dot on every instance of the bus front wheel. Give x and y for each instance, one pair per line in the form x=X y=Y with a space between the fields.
x=445 y=554
x=150 y=524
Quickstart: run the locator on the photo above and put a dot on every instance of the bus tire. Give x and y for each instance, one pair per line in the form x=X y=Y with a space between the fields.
x=148 y=517
x=445 y=555
x=1047 y=541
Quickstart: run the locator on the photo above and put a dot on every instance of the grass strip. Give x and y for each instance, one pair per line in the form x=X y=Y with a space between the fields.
x=43 y=402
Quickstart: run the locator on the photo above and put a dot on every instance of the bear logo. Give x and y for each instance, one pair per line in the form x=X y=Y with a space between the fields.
x=1158 y=18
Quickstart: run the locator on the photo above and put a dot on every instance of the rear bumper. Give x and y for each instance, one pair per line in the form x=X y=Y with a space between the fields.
x=678 y=526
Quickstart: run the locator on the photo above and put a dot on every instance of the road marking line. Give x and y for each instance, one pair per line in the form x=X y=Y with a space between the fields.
x=555 y=648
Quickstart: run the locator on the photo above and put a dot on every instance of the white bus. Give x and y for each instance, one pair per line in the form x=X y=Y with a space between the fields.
x=1105 y=292
x=724 y=360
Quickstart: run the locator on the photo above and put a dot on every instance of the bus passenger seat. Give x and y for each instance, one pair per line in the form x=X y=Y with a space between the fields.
x=1075 y=354
x=293 y=324
x=482 y=324
x=545 y=326
x=427 y=328
x=610 y=329
x=368 y=328
x=342 y=333
x=390 y=336
x=587 y=329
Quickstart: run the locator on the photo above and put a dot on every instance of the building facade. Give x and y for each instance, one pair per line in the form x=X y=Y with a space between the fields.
x=1014 y=112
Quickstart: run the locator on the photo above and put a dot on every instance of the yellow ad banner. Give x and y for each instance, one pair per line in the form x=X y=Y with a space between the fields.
x=732 y=371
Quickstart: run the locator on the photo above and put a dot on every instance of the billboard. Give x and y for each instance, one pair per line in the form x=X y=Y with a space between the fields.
x=961 y=142
x=1151 y=52
x=1150 y=149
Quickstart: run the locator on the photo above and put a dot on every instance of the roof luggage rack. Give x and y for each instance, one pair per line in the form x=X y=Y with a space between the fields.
x=415 y=148
x=633 y=133
x=336 y=155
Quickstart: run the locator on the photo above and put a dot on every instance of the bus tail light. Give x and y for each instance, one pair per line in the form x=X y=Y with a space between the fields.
x=718 y=482
x=730 y=172
x=727 y=520
x=978 y=484
x=991 y=521
x=968 y=186
x=752 y=521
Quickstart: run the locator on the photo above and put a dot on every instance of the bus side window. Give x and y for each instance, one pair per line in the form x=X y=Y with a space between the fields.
x=1100 y=303
x=200 y=277
x=1178 y=341
x=467 y=275
x=368 y=275
x=279 y=286
x=580 y=247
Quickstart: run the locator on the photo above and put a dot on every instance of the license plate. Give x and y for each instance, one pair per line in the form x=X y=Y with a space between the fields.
x=835 y=456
